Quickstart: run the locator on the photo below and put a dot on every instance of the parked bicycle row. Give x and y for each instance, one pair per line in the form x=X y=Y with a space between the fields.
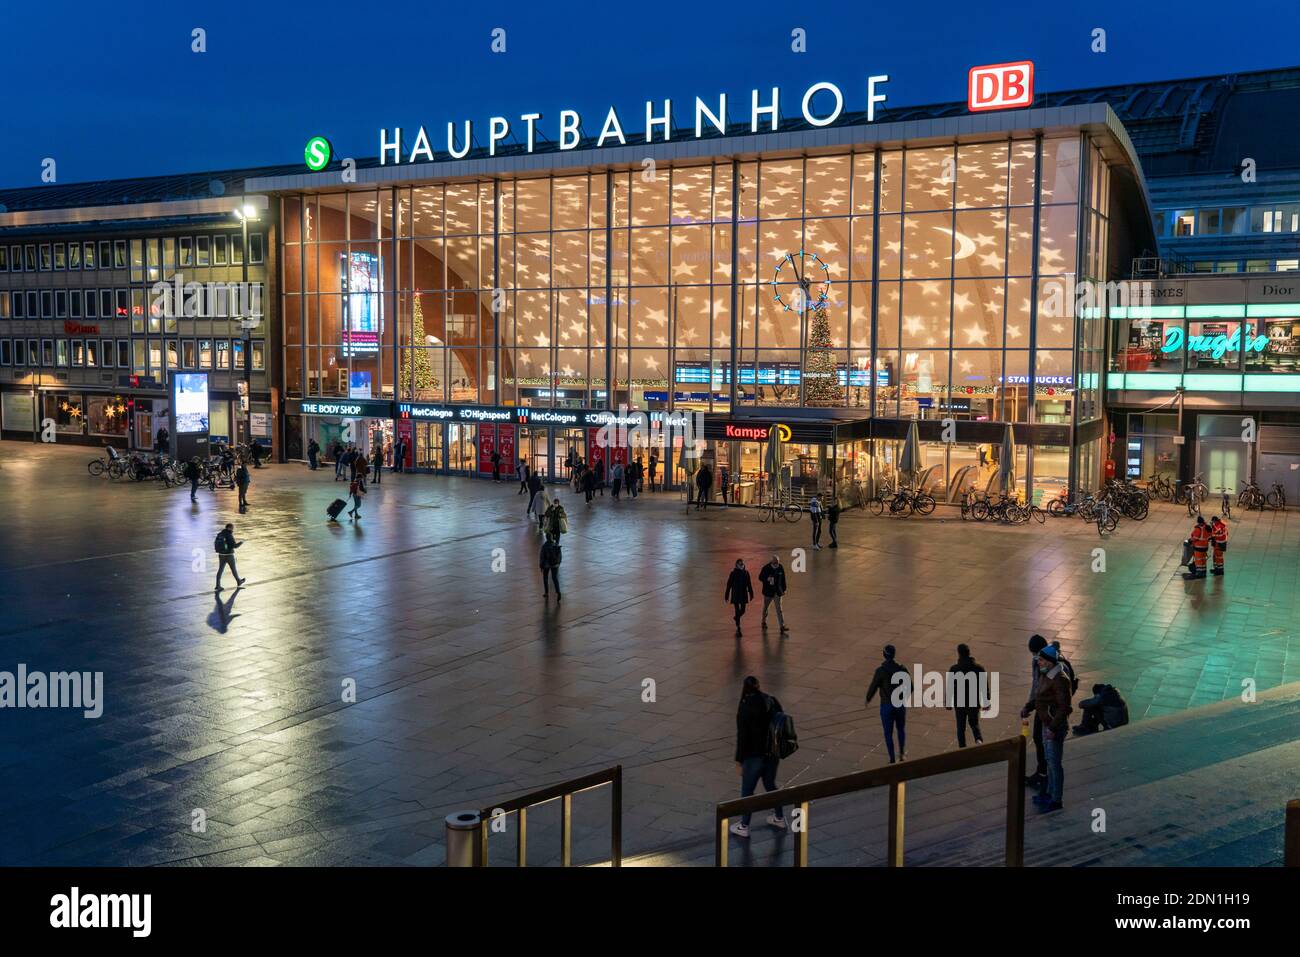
x=213 y=471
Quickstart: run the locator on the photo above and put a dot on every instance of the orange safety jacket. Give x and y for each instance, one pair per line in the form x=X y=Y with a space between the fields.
x=1200 y=538
x=1220 y=533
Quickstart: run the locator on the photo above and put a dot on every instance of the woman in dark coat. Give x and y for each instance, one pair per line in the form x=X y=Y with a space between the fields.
x=740 y=591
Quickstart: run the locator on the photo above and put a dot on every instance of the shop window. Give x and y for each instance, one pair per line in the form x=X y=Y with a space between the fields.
x=106 y=416
x=67 y=410
x=1280 y=349
x=1214 y=345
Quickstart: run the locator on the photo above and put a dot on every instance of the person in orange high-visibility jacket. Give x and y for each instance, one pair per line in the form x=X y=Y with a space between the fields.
x=1200 y=548
x=1219 y=541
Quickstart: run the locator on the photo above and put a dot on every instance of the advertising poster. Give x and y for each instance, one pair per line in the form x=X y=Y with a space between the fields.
x=362 y=321
x=506 y=444
x=406 y=434
x=487 y=436
x=191 y=402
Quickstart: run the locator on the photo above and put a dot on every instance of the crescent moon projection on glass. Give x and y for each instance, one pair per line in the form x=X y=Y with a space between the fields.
x=965 y=245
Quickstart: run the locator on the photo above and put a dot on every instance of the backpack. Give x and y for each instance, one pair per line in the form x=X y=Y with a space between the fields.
x=1069 y=672
x=784 y=740
x=220 y=544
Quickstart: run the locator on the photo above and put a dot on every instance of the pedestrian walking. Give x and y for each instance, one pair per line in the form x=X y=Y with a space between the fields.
x=724 y=482
x=772 y=579
x=521 y=472
x=616 y=476
x=192 y=472
x=599 y=471
x=399 y=455
x=894 y=695
x=815 y=513
x=703 y=483
x=1037 y=780
x=355 y=460
x=1219 y=542
x=966 y=695
x=739 y=591
x=635 y=480
x=225 y=546
x=833 y=519
x=555 y=522
x=377 y=463
x=495 y=459
x=654 y=469
x=589 y=484
x=362 y=465
x=755 y=758
x=340 y=459
x=1052 y=708
x=242 y=480
x=356 y=489
x=535 y=487
x=313 y=452
x=550 y=559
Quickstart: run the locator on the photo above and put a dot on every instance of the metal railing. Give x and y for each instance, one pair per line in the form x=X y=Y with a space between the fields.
x=564 y=792
x=1291 y=852
x=895 y=777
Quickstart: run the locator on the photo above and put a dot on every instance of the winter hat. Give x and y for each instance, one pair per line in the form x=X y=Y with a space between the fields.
x=1049 y=653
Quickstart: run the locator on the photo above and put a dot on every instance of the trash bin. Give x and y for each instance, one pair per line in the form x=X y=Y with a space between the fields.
x=462 y=831
x=1187 y=553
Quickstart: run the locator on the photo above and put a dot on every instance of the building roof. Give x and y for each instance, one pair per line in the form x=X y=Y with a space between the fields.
x=1178 y=127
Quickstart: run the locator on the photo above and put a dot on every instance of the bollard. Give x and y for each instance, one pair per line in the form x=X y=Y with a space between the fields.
x=1291 y=841
x=462 y=832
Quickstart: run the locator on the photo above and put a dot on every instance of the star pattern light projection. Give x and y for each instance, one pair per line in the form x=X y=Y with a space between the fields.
x=947 y=232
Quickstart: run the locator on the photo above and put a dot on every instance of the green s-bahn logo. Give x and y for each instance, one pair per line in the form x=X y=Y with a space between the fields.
x=317 y=153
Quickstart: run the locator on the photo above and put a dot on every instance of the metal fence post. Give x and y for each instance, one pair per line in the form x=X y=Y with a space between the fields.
x=1291 y=857
x=566 y=830
x=801 y=837
x=463 y=839
x=1016 y=806
x=616 y=818
x=897 y=800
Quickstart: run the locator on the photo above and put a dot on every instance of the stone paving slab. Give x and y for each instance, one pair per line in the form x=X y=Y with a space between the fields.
x=469 y=689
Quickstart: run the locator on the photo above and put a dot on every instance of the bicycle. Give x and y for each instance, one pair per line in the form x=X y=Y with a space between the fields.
x=1107 y=518
x=911 y=501
x=1225 y=506
x=786 y=508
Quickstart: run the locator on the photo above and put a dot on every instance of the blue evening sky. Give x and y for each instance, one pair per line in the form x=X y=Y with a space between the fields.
x=112 y=89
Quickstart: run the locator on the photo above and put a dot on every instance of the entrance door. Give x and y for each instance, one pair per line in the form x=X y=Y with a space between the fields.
x=533 y=449
x=566 y=441
x=462 y=451
x=428 y=445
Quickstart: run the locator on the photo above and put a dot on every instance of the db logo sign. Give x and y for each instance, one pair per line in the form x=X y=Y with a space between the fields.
x=1001 y=86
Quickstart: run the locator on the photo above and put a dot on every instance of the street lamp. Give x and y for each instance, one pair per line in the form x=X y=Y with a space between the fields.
x=245 y=214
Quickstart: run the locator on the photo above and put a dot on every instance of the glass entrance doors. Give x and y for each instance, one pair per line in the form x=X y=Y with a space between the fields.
x=534 y=449
x=566 y=441
x=462 y=449
x=428 y=445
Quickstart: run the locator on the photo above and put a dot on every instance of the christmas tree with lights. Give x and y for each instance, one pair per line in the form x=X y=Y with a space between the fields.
x=417 y=365
x=820 y=375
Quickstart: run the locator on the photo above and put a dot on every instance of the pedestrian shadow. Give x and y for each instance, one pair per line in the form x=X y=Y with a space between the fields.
x=223 y=614
x=551 y=621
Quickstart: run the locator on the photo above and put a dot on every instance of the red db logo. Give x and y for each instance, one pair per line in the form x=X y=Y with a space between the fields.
x=1000 y=86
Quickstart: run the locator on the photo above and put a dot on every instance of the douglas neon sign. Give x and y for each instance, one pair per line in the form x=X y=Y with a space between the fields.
x=1214 y=346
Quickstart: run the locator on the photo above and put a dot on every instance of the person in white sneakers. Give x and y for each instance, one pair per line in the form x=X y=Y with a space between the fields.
x=754 y=756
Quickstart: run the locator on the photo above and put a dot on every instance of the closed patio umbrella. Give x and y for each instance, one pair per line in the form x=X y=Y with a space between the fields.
x=1007 y=461
x=773 y=460
x=909 y=462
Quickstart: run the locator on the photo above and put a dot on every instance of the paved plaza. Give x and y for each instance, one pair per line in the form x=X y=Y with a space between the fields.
x=469 y=689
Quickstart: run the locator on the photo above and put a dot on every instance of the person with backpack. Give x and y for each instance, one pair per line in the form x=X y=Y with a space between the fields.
x=1052 y=708
x=1106 y=709
x=549 y=560
x=756 y=751
x=356 y=489
x=894 y=694
x=242 y=480
x=965 y=695
x=313 y=452
x=192 y=472
x=833 y=519
x=772 y=578
x=815 y=514
x=225 y=546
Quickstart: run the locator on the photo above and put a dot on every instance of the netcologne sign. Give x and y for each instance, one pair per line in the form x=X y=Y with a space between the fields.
x=399 y=145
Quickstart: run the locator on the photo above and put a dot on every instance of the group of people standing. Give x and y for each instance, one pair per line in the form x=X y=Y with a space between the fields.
x=592 y=477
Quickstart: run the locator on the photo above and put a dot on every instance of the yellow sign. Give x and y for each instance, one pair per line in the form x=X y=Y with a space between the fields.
x=784 y=432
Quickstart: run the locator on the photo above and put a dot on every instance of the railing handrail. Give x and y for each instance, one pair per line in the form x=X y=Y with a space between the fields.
x=895 y=777
x=543 y=795
x=563 y=792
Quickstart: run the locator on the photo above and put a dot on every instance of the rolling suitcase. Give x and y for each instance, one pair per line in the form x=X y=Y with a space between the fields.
x=336 y=506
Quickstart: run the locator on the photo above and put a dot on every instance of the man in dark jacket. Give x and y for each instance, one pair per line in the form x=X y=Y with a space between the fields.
x=242 y=481
x=192 y=472
x=589 y=484
x=739 y=591
x=1052 y=707
x=535 y=487
x=755 y=757
x=965 y=695
x=895 y=693
x=313 y=452
x=226 y=546
x=550 y=564
x=833 y=519
x=1106 y=709
x=377 y=462
x=495 y=459
x=703 y=484
x=772 y=578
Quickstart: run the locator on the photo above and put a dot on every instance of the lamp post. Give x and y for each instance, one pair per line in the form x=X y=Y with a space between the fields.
x=244 y=214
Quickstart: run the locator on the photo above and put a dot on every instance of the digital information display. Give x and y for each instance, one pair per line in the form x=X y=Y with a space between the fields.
x=190 y=400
